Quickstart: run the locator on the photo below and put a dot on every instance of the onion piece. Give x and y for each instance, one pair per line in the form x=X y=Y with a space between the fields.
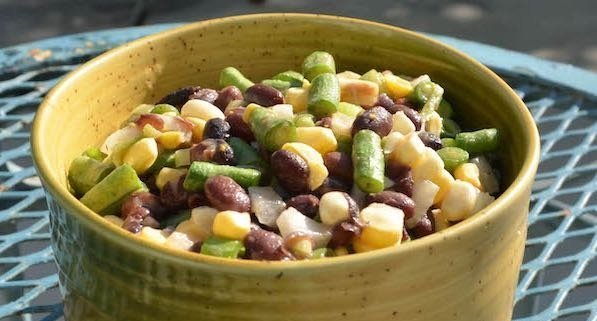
x=292 y=221
x=266 y=204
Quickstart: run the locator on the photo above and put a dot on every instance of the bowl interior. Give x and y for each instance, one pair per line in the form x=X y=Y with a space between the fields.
x=97 y=98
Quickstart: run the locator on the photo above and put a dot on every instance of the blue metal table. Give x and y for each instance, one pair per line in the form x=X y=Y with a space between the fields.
x=558 y=279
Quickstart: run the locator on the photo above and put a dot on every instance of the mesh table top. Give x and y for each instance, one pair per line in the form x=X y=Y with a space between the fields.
x=558 y=279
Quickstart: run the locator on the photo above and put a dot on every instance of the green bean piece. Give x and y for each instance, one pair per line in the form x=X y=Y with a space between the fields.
x=174 y=220
x=270 y=130
x=317 y=63
x=199 y=172
x=164 y=108
x=280 y=85
x=445 y=109
x=480 y=141
x=349 y=109
x=106 y=197
x=231 y=76
x=304 y=120
x=246 y=155
x=373 y=76
x=320 y=253
x=368 y=160
x=428 y=94
x=221 y=247
x=95 y=153
x=85 y=172
x=452 y=157
x=344 y=144
x=324 y=95
x=449 y=128
x=449 y=142
x=165 y=159
x=294 y=78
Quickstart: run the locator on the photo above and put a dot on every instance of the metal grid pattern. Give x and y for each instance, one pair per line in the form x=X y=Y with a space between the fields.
x=558 y=278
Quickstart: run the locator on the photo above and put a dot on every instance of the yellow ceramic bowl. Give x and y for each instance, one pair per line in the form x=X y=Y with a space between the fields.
x=467 y=272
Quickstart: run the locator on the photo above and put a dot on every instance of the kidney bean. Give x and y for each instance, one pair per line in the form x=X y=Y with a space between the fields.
x=291 y=171
x=216 y=128
x=142 y=204
x=402 y=177
x=376 y=119
x=332 y=184
x=265 y=245
x=306 y=203
x=173 y=195
x=205 y=94
x=339 y=165
x=156 y=121
x=384 y=101
x=238 y=127
x=344 y=233
x=225 y=194
x=226 y=95
x=179 y=97
x=212 y=150
x=264 y=95
x=423 y=228
x=196 y=199
x=430 y=140
x=412 y=114
x=324 y=122
x=395 y=199
x=405 y=235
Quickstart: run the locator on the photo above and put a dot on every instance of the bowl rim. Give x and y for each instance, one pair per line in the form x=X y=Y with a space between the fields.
x=523 y=179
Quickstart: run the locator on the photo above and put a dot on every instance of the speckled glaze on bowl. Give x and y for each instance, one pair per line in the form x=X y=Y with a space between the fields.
x=467 y=272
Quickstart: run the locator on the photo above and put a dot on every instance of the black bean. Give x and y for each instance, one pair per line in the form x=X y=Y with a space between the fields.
x=376 y=119
x=405 y=235
x=344 y=233
x=353 y=208
x=205 y=94
x=226 y=95
x=423 y=228
x=265 y=245
x=339 y=165
x=225 y=194
x=395 y=199
x=306 y=203
x=291 y=171
x=430 y=140
x=264 y=95
x=142 y=204
x=238 y=127
x=402 y=177
x=332 y=184
x=180 y=96
x=412 y=114
x=196 y=199
x=216 y=128
x=212 y=150
x=384 y=101
x=173 y=195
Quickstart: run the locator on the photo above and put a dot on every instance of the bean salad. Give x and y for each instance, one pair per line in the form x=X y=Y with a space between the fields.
x=303 y=165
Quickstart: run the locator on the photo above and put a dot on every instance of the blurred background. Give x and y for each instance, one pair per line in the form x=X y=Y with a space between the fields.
x=564 y=31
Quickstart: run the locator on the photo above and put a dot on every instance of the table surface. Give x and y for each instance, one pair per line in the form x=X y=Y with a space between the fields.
x=558 y=278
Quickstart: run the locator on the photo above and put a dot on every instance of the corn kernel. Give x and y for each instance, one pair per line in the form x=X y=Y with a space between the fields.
x=171 y=139
x=282 y=111
x=428 y=166
x=202 y=219
x=483 y=200
x=141 y=155
x=384 y=226
x=232 y=225
x=341 y=125
x=193 y=232
x=297 y=97
x=320 y=138
x=200 y=109
x=390 y=142
x=433 y=124
x=150 y=131
x=182 y=157
x=468 y=172
x=408 y=151
x=153 y=235
x=167 y=174
x=341 y=251
x=317 y=170
x=300 y=246
x=233 y=105
x=333 y=208
x=460 y=200
x=402 y=124
x=114 y=220
x=198 y=127
x=487 y=177
x=396 y=87
x=248 y=111
x=360 y=246
x=441 y=223
x=358 y=92
x=348 y=75
x=444 y=181
x=178 y=241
